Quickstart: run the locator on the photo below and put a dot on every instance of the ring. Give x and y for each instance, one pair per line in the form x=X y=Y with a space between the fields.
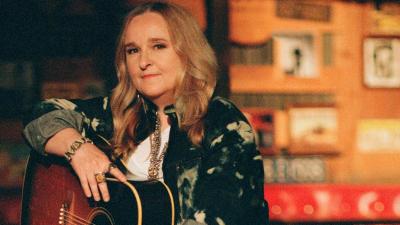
x=100 y=177
x=111 y=166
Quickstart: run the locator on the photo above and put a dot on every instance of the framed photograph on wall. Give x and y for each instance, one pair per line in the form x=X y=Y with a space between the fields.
x=381 y=62
x=378 y=135
x=296 y=54
x=313 y=129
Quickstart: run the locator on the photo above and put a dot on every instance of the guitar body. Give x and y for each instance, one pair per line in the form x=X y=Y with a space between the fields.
x=52 y=195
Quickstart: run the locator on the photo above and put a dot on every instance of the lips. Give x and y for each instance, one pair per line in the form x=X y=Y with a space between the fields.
x=144 y=76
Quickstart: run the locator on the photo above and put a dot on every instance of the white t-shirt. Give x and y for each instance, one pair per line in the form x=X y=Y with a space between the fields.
x=138 y=161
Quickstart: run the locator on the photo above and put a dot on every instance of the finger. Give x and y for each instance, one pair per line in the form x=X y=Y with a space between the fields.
x=85 y=187
x=110 y=166
x=118 y=174
x=104 y=191
x=93 y=187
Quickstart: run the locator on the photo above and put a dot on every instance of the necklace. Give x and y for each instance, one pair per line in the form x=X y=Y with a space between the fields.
x=155 y=157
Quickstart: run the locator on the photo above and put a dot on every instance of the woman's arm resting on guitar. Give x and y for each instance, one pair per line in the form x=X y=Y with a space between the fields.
x=86 y=162
x=53 y=132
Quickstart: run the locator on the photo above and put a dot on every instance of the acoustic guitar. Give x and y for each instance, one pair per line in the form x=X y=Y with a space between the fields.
x=52 y=195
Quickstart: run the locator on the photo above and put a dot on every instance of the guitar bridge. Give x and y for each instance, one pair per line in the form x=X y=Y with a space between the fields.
x=62 y=219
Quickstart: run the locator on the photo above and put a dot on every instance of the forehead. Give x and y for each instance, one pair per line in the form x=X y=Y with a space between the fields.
x=148 y=25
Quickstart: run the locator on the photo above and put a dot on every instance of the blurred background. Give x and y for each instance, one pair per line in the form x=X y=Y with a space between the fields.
x=318 y=79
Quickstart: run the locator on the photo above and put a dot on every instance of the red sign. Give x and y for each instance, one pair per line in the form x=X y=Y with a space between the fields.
x=333 y=202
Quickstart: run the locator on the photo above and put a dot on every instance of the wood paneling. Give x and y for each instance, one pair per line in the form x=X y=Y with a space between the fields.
x=343 y=79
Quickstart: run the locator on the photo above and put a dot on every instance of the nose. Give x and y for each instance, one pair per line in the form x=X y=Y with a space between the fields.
x=144 y=60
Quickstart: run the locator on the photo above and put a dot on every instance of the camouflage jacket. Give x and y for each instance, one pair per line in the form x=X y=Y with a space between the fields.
x=219 y=182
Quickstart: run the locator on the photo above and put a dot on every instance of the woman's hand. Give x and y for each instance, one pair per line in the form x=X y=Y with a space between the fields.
x=87 y=161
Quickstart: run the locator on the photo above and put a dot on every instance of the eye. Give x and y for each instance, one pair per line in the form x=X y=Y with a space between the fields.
x=131 y=50
x=159 y=46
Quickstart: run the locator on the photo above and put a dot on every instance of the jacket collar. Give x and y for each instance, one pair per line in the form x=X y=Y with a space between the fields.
x=150 y=110
x=180 y=148
x=148 y=116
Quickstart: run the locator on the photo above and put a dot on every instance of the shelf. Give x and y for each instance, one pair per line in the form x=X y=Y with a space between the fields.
x=256 y=79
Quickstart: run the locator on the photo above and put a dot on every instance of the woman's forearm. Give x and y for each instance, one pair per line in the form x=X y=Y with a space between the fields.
x=60 y=142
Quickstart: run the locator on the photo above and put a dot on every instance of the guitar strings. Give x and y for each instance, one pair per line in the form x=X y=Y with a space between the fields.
x=73 y=221
x=69 y=217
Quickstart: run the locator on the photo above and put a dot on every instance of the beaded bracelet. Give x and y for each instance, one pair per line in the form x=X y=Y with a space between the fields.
x=75 y=146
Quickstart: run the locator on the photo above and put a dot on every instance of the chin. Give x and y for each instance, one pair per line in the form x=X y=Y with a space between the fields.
x=151 y=95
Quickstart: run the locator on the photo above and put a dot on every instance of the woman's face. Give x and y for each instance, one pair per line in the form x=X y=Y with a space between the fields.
x=152 y=62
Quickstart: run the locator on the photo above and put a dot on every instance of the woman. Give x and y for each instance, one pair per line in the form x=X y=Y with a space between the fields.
x=163 y=123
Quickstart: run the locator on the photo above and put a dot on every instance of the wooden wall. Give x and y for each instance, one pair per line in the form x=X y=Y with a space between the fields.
x=350 y=23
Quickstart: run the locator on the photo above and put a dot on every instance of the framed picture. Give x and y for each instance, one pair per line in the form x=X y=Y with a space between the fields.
x=263 y=123
x=313 y=130
x=296 y=55
x=380 y=67
x=378 y=135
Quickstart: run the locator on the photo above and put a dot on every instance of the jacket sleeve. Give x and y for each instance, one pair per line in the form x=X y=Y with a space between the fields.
x=52 y=115
x=38 y=131
x=232 y=183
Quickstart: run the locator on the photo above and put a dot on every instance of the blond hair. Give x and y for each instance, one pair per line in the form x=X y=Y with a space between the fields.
x=193 y=91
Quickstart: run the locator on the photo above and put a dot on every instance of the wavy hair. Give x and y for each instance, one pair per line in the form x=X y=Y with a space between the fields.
x=193 y=89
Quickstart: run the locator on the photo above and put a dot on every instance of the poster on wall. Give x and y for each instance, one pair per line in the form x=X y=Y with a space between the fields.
x=378 y=135
x=386 y=20
x=313 y=130
x=296 y=55
x=381 y=67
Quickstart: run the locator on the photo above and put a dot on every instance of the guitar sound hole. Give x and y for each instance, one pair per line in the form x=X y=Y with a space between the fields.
x=101 y=217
